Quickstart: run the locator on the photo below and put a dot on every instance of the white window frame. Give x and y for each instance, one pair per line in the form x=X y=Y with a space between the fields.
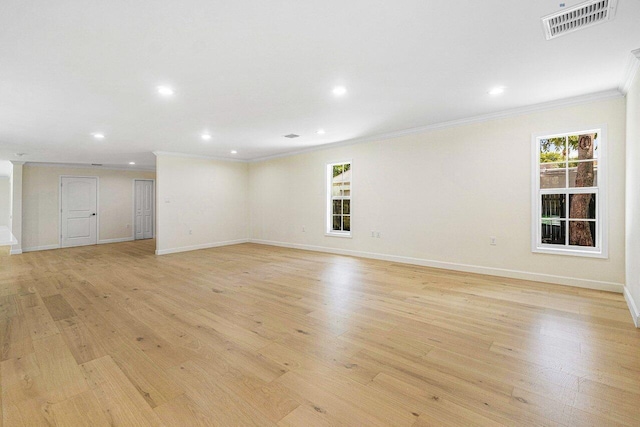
x=601 y=250
x=329 y=201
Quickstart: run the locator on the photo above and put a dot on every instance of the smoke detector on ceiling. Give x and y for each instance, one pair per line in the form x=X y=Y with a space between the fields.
x=577 y=17
x=291 y=135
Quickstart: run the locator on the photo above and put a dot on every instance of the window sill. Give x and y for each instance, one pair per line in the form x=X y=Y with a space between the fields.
x=570 y=252
x=343 y=235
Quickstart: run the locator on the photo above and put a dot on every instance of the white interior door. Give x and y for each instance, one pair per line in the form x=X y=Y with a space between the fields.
x=79 y=211
x=144 y=209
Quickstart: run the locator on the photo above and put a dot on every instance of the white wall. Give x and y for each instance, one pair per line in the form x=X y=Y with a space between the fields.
x=200 y=203
x=438 y=196
x=632 y=292
x=40 y=203
x=5 y=200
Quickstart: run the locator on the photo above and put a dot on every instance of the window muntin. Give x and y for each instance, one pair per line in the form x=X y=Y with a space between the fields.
x=339 y=199
x=568 y=205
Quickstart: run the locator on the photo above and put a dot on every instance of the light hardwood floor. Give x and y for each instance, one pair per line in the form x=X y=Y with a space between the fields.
x=257 y=335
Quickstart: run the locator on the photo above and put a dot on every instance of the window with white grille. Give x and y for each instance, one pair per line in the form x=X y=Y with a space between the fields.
x=339 y=199
x=569 y=205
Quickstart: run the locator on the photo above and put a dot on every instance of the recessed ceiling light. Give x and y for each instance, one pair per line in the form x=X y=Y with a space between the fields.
x=339 y=90
x=98 y=135
x=320 y=132
x=165 y=90
x=205 y=136
x=497 y=90
x=132 y=163
x=234 y=152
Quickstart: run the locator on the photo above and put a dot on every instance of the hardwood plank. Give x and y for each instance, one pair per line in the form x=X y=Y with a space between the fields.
x=145 y=375
x=84 y=345
x=40 y=322
x=182 y=411
x=58 y=307
x=118 y=398
x=82 y=410
x=61 y=376
x=222 y=405
x=15 y=339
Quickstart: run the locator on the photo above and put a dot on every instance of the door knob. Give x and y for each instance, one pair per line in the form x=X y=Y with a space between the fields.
x=93 y=214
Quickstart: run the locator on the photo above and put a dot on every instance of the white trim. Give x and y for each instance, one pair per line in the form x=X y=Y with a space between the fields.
x=202 y=246
x=602 y=224
x=198 y=156
x=633 y=308
x=85 y=166
x=100 y=242
x=40 y=248
x=551 y=105
x=342 y=235
x=15 y=251
x=118 y=240
x=492 y=271
x=633 y=64
x=98 y=214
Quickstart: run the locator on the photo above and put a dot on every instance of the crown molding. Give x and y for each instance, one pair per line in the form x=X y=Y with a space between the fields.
x=85 y=166
x=518 y=111
x=197 y=156
x=633 y=64
x=17 y=163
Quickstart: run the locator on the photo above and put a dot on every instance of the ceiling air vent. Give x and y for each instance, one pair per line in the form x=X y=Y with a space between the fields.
x=577 y=17
x=291 y=135
x=96 y=164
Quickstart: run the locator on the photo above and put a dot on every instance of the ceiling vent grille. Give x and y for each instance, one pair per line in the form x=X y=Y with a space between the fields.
x=291 y=135
x=577 y=17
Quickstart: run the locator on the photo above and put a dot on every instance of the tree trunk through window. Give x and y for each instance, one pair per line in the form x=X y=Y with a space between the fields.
x=580 y=232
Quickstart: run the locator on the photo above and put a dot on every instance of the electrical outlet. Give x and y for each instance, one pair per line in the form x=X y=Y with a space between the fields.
x=378 y=234
x=492 y=241
x=373 y=234
x=303 y=229
x=190 y=231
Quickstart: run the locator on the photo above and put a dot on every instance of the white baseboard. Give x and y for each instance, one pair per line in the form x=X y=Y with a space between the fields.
x=118 y=240
x=202 y=246
x=633 y=308
x=40 y=248
x=100 y=242
x=15 y=251
x=492 y=271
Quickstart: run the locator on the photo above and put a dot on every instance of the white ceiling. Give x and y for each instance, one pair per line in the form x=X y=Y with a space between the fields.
x=251 y=71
